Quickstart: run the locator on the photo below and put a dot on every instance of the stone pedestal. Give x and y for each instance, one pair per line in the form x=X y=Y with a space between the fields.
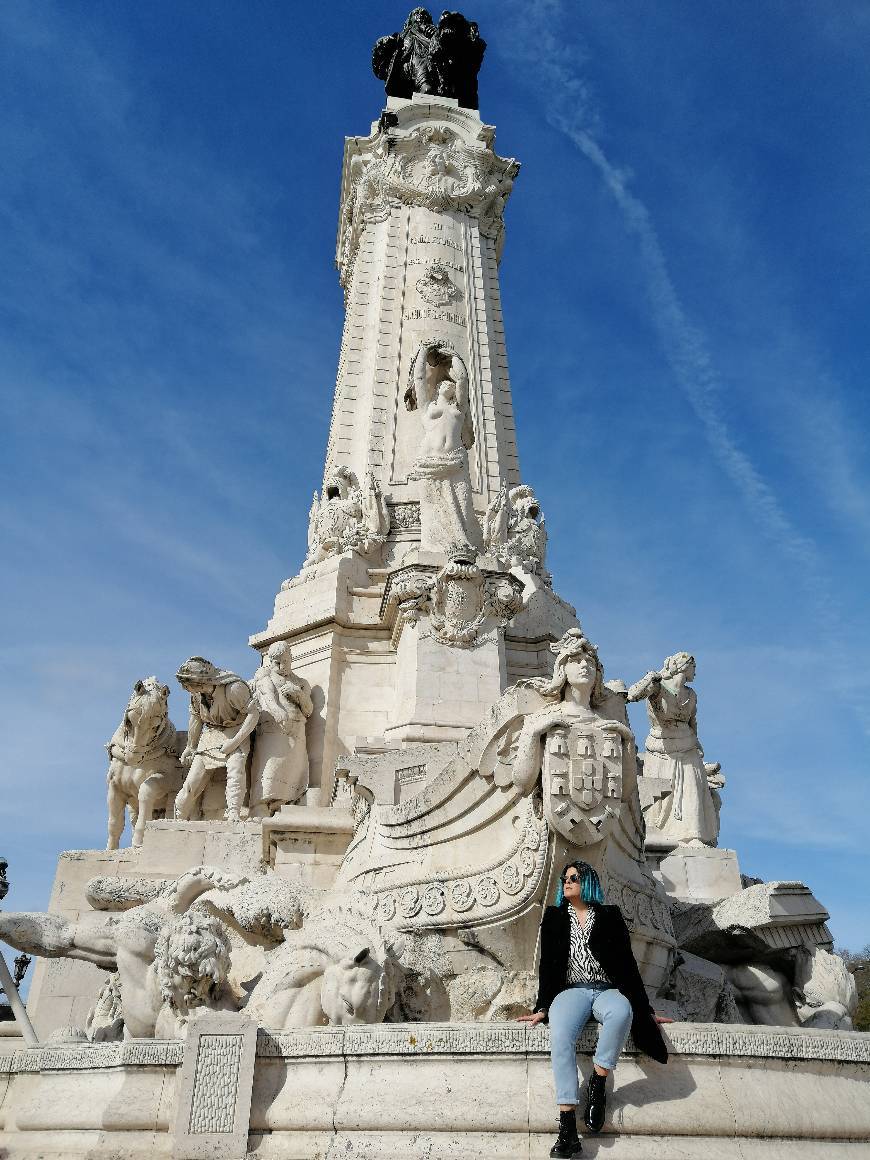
x=696 y=873
x=443 y=692
x=213 y=1107
x=449 y=1090
x=307 y=844
x=447 y=624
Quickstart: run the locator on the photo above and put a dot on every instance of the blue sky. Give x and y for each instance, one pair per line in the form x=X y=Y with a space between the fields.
x=685 y=281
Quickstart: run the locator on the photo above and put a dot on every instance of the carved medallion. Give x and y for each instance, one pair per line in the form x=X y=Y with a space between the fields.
x=487 y=891
x=436 y=286
x=462 y=896
x=532 y=839
x=409 y=902
x=433 y=899
x=511 y=879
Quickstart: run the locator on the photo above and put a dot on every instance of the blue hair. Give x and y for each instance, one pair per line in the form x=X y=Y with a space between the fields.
x=590 y=886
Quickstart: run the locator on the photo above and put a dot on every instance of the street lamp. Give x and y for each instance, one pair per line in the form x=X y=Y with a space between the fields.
x=8 y=984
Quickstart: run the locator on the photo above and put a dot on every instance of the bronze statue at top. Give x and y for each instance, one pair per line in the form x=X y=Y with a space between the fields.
x=442 y=59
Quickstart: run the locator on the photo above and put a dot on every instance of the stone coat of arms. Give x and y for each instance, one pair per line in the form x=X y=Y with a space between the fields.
x=582 y=778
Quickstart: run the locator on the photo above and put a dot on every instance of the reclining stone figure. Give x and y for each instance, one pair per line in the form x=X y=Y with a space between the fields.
x=339 y=967
x=169 y=961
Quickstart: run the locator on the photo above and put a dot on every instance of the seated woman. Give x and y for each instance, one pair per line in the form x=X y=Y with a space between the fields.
x=587 y=969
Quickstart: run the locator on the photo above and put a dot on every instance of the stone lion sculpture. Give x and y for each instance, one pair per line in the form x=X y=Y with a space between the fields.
x=515 y=531
x=346 y=516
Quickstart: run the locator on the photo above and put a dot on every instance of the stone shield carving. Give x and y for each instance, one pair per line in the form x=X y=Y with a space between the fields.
x=582 y=780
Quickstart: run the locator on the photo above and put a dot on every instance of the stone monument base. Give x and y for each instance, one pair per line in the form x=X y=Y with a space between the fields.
x=695 y=873
x=434 y=1091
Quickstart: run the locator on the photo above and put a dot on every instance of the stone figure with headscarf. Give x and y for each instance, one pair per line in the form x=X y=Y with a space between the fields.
x=223 y=715
x=688 y=814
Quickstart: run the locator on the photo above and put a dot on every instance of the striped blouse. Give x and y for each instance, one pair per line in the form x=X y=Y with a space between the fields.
x=583 y=967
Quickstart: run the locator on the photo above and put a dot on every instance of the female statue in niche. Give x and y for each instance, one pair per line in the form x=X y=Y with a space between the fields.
x=439 y=390
x=688 y=814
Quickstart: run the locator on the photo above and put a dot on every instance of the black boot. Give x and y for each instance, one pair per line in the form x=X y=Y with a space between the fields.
x=596 y=1102
x=568 y=1142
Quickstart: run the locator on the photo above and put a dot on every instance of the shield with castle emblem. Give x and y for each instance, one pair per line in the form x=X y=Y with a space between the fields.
x=582 y=780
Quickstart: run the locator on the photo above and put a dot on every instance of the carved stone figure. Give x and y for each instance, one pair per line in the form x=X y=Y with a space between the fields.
x=762 y=994
x=587 y=757
x=346 y=517
x=339 y=967
x=551 y=768
x=442 y=59
x=169 y=961
x=223 y=715
x=825 y=993
x=439 y=390
x=144 y=766
x=279 y=765
x=514 y=530
x=687 y=815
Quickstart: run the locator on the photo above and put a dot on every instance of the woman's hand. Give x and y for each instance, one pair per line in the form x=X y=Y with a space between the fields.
x=662 y=1018
x=534 y=1019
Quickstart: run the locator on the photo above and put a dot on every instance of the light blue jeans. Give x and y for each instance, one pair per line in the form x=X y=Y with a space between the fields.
x=569 y=1013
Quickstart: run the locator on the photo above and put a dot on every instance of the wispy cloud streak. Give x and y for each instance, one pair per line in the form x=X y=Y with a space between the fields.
x=571 y=109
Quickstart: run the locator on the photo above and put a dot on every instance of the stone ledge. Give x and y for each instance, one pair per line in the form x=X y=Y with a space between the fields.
x=439 y=1039
x=95 y=1056
x=716 y=1039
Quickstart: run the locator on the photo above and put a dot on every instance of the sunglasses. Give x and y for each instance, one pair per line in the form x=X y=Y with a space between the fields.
x=571 y=878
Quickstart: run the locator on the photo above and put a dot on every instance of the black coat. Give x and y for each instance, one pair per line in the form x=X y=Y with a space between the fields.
x=610 y=943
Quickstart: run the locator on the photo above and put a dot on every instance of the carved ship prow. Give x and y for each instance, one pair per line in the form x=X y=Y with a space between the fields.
x=469 y=849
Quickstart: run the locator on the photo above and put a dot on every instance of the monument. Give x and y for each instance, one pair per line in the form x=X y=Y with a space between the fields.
x=331 y=896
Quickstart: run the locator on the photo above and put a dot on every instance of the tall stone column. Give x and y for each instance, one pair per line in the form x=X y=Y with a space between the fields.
x=419 y=240
x=399 y=642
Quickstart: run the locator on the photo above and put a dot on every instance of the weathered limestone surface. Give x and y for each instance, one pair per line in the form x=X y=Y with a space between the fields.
x=739 y=1091
x=63 y=991
x=213 y=1101
x=696 y=873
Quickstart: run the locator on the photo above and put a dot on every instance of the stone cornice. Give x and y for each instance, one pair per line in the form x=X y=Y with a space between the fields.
x=430 y=154
x=728 y=1041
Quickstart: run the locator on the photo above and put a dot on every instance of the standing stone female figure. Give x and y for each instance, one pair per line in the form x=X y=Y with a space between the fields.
x=687 y=814
x=439 y=389
x=279 y=767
